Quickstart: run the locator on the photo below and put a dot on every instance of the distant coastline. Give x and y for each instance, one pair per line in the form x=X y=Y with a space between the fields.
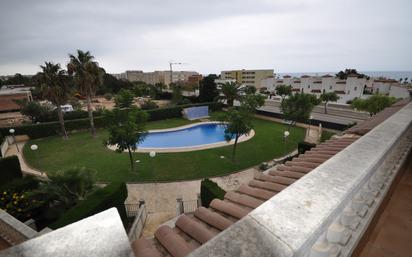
x=388 y=74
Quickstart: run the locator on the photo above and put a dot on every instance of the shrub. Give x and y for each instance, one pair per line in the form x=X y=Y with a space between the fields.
x=149 y=105
x=108 y=96
x=19 y=185
x=304 y=146
x=110 y=196
x=209 y=190
x=9 y=169
x=46 y=129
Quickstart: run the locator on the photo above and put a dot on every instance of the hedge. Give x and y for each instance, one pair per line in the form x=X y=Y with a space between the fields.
x=305 y=146
x=53 y=128
x=110 y=196
x=9 y=169
x=209 y=190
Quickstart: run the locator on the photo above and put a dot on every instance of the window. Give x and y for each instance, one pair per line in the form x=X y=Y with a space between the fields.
x=330 y=87
x=308 y=86
x=348 y=92
x=356 y=88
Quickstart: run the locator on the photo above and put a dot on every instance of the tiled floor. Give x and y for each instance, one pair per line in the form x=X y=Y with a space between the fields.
x=392 y=235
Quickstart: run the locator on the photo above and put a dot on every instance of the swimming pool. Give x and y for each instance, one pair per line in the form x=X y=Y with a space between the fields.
x=189 y=136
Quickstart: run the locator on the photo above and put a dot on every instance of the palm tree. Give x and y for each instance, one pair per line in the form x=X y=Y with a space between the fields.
x=230 y=91
x=54 y=86
x=88 y=76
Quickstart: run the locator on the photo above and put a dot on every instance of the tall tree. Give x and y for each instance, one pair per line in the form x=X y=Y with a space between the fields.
x=238 y=121
x=230 y=91
x=326 y=97
x=126 y=129
x=207 y=89
x=373 y=104
x=88 y=76
x=124 y=99
x=297 y=107
x=55 y=88
x=283 y=91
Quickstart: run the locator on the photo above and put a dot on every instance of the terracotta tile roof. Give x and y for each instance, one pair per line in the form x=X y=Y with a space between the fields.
x=287 y=76
x=340 y=82
x=317 y=82
x=327 y=76
x=191 y=231
x=296 y=81
x=305 y=76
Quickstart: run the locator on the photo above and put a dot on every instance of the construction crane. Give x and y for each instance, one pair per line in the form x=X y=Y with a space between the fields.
x=171 y=63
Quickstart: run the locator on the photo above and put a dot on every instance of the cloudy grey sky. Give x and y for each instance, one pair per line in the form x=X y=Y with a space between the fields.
x=212 y=35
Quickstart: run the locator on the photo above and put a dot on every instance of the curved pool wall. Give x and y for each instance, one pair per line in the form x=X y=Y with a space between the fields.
x=200 y=134
x=197 y=136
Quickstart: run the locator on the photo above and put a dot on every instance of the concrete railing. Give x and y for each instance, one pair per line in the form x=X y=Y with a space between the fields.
x=14 y=231
x=138 y=223
x=326 y=212
x=100 y=235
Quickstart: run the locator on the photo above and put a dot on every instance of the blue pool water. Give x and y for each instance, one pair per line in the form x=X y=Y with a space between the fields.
x=193 y=136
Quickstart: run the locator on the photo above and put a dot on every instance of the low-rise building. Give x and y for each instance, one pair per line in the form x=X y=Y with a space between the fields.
x=248 y=77
x=10 y=93
x=352 y=87
x=155 y=77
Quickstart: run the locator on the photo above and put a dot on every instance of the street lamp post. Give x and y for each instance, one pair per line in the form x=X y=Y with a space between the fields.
x=34 y=148
x=310 y=123
x=14 y=138
x=285 y=136
x=152 y=154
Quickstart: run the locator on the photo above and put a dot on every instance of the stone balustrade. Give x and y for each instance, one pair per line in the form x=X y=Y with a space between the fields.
x=326 y=212
x=101 y=235
x=14 y=231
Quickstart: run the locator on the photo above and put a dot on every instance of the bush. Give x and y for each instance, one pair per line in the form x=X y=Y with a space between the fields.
x=149 y=105
x=20 y=185
x=9 y=169
x=305 y=146
x=108 y=96
x=47 y=129
x=110 y=196
x=209 y=190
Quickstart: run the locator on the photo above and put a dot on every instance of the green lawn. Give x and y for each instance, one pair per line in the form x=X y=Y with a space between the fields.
x=82 y=150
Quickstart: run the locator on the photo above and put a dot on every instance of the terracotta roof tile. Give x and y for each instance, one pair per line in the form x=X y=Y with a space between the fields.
x=194 y=229
x=173 y=243
x=212 y=218
x=229 y=208
x=256 y=192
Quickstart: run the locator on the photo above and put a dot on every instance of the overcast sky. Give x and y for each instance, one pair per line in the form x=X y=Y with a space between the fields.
x=210 y=36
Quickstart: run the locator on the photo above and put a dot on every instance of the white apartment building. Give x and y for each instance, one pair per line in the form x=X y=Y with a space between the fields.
x=247 y=77
x=347 y=89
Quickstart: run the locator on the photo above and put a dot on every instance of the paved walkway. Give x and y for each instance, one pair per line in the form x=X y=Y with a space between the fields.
x=392 y=235
x=12 y=150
